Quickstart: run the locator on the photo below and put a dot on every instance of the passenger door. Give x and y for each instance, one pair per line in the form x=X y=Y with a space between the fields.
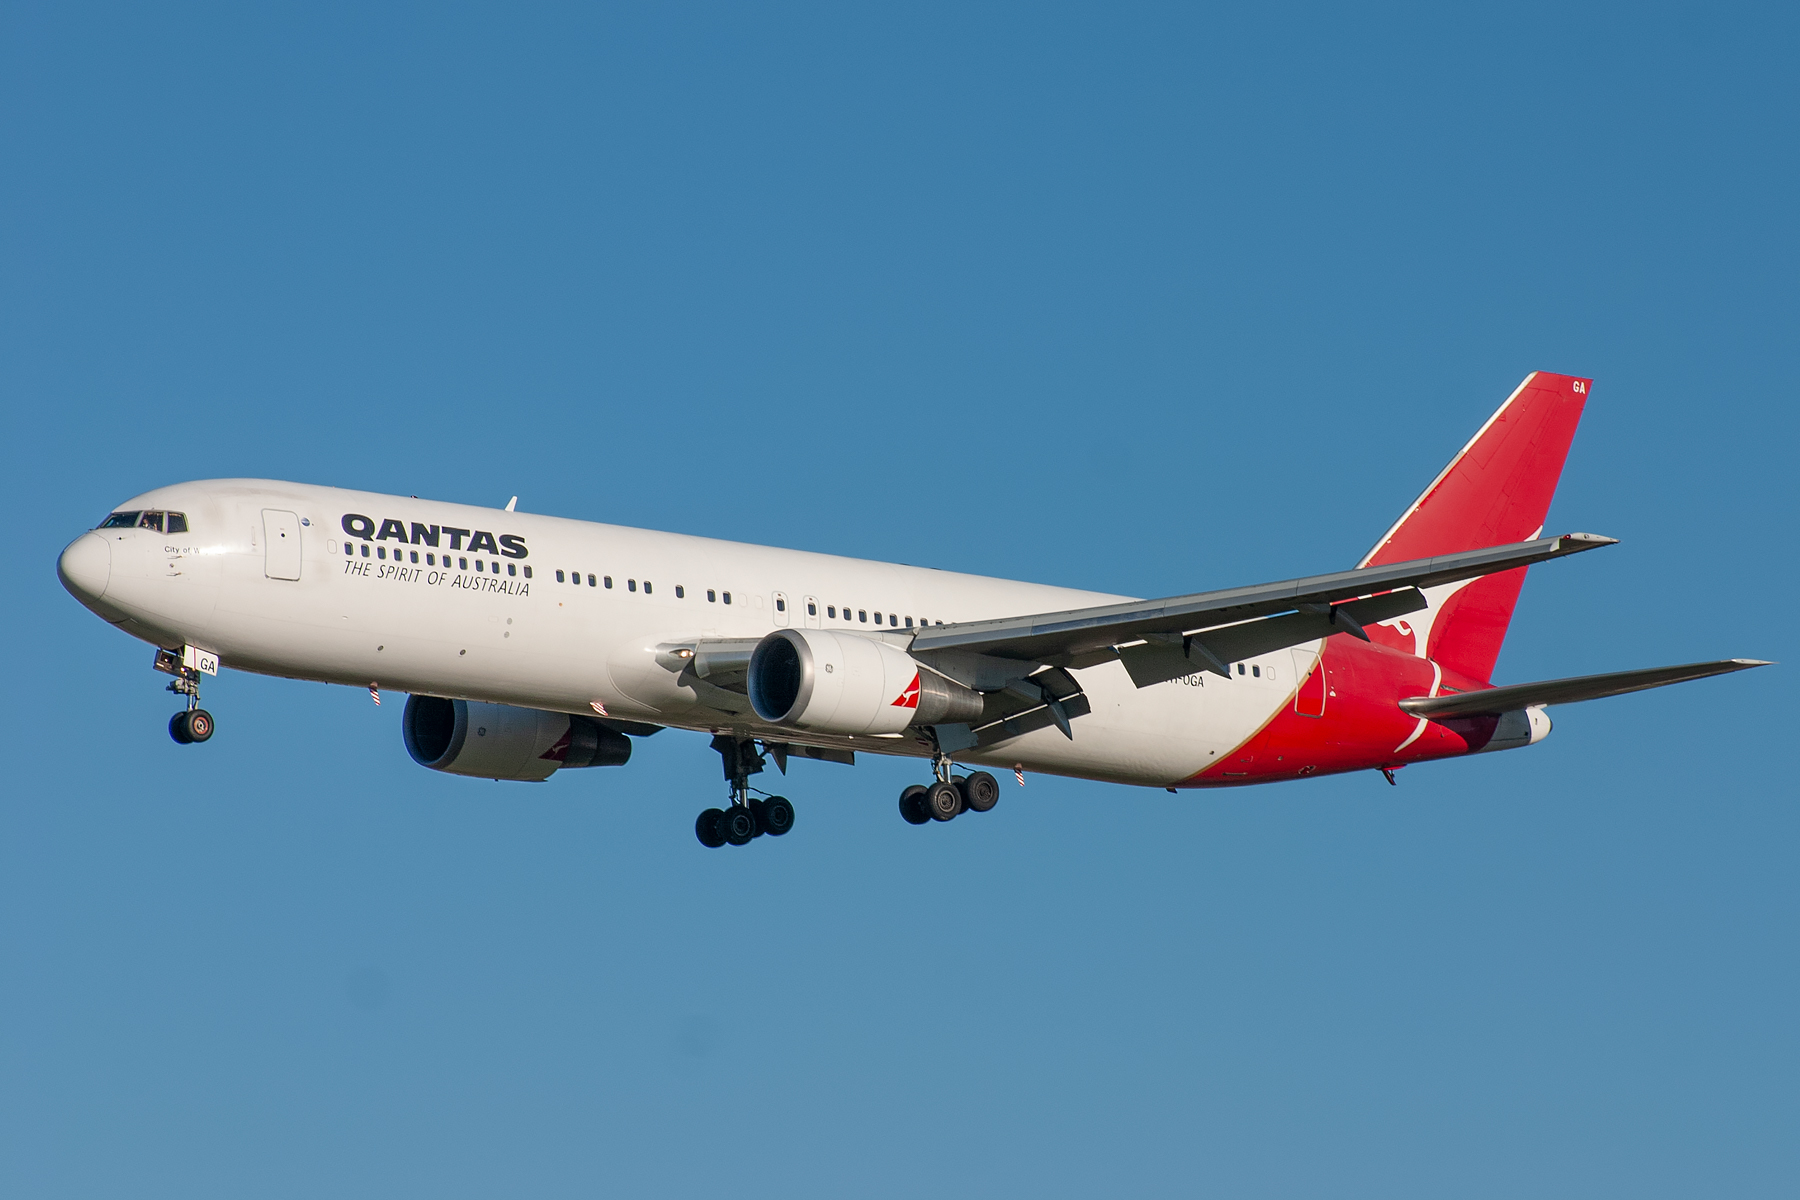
x=1309 y=668
x=281 y=535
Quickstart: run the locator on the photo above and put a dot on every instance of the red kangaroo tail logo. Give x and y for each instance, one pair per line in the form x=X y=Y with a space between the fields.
x=560 y=751
x=910 y=697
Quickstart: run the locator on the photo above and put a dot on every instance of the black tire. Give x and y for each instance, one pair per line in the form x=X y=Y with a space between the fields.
x=777 y=816
x=738 y=825
x=709 y=827
x=943 y=801
x=912 y=806
x=178 y=729
x=756 y=814
x=980 y=790
x=199 y=725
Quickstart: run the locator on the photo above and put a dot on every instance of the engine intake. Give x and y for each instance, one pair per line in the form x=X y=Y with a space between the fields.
x=499 y=741
x=831 y=682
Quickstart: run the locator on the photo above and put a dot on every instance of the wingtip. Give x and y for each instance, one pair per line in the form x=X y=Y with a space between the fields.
x=1747 y=663
x=1587 y=541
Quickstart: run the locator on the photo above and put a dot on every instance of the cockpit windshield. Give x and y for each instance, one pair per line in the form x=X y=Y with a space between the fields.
x=162 y=522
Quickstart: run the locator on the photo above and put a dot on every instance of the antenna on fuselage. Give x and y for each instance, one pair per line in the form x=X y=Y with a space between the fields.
x=510 y=503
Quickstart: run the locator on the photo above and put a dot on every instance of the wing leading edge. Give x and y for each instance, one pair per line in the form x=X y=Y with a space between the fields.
x=1067 y=638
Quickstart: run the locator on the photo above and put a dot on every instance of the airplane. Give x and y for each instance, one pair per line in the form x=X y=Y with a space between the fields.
x=531 y=644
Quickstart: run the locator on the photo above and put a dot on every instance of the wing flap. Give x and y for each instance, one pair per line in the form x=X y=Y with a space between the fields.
x=1158 y=661
x=1492 y=701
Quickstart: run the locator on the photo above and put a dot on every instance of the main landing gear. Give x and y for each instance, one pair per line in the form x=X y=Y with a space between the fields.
x=949 y=796
x=193 y=724
x=745 y=817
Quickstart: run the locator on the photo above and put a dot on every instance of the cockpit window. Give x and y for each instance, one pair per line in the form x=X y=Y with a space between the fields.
x=162 y=522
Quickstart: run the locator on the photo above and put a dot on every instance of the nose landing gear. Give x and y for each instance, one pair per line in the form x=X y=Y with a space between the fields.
x=745 y=817
x=194 y=724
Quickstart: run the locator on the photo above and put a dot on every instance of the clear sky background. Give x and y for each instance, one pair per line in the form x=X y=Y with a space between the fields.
x=1135 y=299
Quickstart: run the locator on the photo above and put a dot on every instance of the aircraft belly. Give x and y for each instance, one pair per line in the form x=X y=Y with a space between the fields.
x=1154 y=736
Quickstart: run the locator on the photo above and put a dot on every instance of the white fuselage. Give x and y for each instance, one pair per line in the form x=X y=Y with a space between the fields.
x=400 y=613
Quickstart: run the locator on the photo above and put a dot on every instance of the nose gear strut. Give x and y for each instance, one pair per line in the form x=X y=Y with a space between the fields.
x=193 y=724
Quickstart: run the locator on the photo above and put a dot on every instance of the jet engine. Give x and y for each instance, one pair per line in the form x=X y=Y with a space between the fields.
x=830 y=682
x=498 y=741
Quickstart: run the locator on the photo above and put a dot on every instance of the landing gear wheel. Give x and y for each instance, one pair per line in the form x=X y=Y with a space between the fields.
x=980 y=790
x=191 y=725
x=738 y=825
x=777 y=816
x=912 y=806
x=943 y=801
x=709 y=827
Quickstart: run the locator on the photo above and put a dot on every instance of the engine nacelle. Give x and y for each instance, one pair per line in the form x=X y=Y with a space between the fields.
x=831 y=682
x=498 y=741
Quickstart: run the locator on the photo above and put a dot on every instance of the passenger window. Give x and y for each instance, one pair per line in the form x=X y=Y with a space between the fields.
x=680 y=592
x=631 y=585
x=365 y=549
x=646 y=587
x=591 y=581
x=528 y=572
x=349 y=550
x=121 y=520
x=512 y=569
x=780 y=604
x=175 y=523
x=1240 y=668
x=462 y=564
x=831 y=611
x=812 y=608
x=430 y=559
x=414 y=555
x=909 y=622
x=559 y=577
x=1256 y=671
x=878 y=618
x=712 y=597
x=478 y=564
x=727 y=596
x=606 y=579
x=862 y=614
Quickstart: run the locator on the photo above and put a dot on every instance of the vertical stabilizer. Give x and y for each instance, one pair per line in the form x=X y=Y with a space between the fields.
x=1496 y=490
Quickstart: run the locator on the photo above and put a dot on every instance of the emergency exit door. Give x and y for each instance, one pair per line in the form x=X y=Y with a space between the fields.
x=281 y=544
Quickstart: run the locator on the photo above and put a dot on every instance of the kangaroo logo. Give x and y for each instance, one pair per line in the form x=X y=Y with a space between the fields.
x=910 y=697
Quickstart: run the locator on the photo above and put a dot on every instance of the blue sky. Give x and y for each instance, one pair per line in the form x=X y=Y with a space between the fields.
x=1139 y=299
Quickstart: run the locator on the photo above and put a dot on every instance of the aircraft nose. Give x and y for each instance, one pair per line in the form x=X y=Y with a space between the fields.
x=86 y=567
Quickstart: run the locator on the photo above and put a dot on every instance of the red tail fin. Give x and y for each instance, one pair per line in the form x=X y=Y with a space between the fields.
x=1496 y=490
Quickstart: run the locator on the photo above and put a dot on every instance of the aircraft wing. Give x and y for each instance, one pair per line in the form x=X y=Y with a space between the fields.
x=1493 y=701
x=1171 y=628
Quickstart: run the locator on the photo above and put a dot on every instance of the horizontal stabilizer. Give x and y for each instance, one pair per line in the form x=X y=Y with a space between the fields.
x=1515 y=696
